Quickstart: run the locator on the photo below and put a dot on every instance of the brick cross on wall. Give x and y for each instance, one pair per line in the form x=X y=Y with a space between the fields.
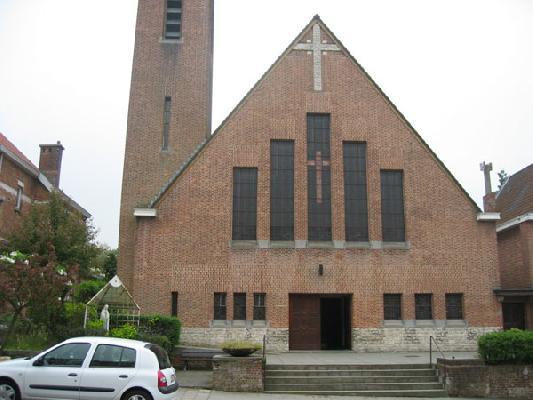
x=318 y=163
x=316 y=47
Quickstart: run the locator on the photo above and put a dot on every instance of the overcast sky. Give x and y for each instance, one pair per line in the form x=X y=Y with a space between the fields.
x=461 y=71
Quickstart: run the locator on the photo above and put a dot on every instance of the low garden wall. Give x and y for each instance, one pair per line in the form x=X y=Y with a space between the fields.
x=473 y=378
x=237 y=374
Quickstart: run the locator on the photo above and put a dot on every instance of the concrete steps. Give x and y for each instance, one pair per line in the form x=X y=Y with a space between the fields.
x=407 y=380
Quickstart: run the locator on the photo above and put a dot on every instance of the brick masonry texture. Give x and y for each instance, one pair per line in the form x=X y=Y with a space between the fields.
x=186 y=248
x=237 y=374
x=469 y=378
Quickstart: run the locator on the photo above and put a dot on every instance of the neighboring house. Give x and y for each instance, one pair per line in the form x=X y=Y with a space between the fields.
x=315 y=214
x=515 y=248
x=22 y=183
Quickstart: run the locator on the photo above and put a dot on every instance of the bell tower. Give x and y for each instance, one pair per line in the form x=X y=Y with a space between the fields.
x=170 y=104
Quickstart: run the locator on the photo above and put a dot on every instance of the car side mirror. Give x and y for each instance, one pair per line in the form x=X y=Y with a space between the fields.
x=39 y=362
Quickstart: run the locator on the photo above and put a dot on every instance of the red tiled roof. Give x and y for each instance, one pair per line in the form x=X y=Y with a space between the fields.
x=516 y=196
x=4 y=141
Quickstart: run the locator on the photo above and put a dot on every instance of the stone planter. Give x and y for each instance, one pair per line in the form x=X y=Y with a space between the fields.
x=239 y=352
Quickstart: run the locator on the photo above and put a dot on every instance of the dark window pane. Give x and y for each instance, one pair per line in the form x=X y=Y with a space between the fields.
x=244 y=203
x=392 y=206
x=423 y=307
x=166 y=122
x=174 y=17
x=220 y=306
x=67 y=355
x=161 y=354
x=173 y=3
x=239 y=306
x=282 y=190
x=318 y=177
x=355 y=201
x=392 y=306
x=259 y=307
x=454 y=306
x=173 y=28
x=174 y=304
x=110 y=356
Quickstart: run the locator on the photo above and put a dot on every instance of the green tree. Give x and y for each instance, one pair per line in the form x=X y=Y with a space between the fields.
x=56 y=223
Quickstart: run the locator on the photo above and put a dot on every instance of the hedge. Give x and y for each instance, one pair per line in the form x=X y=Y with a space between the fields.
x=157 y=326
x=508 y=347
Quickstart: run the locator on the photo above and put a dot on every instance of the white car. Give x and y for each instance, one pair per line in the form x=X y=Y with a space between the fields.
x=91 y=368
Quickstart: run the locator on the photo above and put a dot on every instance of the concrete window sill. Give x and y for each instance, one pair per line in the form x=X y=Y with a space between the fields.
x=320 y=245
x=243 y=244
x=238 y=324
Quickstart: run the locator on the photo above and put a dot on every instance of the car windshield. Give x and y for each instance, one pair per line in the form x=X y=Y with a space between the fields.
x=161 y=354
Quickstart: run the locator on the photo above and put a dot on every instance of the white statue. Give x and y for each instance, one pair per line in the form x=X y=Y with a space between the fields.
x=104 y=316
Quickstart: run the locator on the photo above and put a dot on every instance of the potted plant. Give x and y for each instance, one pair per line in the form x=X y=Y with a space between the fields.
x=240 y=349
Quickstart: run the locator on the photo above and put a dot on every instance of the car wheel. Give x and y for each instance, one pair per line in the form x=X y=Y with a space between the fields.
x=9 y=390
x=137 y=395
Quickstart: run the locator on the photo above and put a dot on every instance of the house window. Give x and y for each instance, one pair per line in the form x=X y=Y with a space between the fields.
x=18 y=198
x=173 y=19
x=239 y=306
x=166 y=122
x=392 y=206
x=244 y=203
x=259 y=307
x=318 y=177
x=220 y=306
x=355 y=200
x=423 y=307
x=392 y=306
x=174 y=304
x=454 y=306
x=281 y=190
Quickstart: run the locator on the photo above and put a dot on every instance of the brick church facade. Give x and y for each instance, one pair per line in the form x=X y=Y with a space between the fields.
x=315 y=215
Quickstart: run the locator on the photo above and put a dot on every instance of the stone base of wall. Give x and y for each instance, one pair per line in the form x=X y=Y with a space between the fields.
x=363 y=339
x=472 y=378
x=416 y=339
x=237 y=374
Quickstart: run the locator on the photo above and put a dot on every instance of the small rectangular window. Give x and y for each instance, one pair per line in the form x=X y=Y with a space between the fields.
x=392 y=306
x=392 y=206
x=18 y=199
x=454 y=306
x=259 y=307
x=174 y=306
x=166 y=122
x=239 y=306
x=423 y=306
x=244 y=204
x=220 y=306
x=173 y=20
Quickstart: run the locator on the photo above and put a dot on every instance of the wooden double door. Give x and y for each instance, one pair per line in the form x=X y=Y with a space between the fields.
x=319 y=322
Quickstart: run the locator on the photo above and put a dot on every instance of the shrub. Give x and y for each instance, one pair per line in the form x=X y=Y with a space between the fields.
x=241 y=345
x=126 y=331
x=159 y=340
x=86 y=290
x=161 y=325
x=509 y=347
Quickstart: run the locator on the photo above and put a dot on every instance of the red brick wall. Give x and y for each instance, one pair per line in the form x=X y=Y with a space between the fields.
x=180 y=70
x=10 y=175
x=515 y=246
x=186 y=248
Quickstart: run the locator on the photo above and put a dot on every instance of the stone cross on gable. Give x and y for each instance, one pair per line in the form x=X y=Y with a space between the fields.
x=316 y=47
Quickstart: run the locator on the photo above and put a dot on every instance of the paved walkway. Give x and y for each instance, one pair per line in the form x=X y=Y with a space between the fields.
x=350 y=357
x=195 y=394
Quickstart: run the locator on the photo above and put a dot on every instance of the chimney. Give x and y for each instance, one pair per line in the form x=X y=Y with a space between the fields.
x=50 y=161
x=489 y=200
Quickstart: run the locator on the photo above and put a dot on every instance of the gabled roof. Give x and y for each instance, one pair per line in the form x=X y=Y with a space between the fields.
x=516 y=196
x=314 y=20
x=6 y=146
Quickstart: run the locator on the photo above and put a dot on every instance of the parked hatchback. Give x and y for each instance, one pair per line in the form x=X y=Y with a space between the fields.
x=91 y=368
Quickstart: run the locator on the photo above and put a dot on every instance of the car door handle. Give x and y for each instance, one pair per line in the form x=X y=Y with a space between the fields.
x=123 y=376
x=73 y=374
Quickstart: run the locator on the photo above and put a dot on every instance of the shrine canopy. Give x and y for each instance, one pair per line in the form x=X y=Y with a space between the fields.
x=122 y=307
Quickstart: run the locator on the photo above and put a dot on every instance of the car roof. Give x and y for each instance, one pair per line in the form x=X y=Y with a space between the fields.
x=135 y=344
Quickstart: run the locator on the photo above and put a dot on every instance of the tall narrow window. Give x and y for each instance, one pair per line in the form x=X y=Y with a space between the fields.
x=392 y=207
x=18 y=199
x=392 y=306
x=244 y=203
x=166 y=122
x=173 y=20
x=174 y=304
x=318 y=177
x=281 y=190
x=220 y=306
x=239 y=306
x=423 y=307
x=454 y=306
x=259 y=307
x=355 y=201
